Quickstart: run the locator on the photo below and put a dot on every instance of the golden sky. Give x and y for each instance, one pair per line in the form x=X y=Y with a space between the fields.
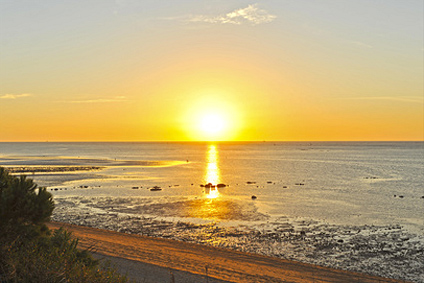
x=129 y=70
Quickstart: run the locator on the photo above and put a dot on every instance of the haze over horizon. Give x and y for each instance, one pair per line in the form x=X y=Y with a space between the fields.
x=128 y=70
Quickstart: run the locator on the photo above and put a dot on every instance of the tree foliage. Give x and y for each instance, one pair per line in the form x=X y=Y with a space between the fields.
x=55 y=258
x=22 y=203
x=29 y=252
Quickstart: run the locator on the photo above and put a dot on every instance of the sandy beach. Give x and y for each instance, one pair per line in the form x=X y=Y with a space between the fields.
x=148 y=259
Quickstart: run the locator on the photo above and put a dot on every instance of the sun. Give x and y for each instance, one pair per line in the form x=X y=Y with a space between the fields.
x=212 y=124
x=211 y=117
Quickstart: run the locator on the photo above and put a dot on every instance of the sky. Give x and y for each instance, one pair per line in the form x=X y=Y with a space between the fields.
x=156 y=70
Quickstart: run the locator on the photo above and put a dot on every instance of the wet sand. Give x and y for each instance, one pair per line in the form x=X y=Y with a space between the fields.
x=149 y=259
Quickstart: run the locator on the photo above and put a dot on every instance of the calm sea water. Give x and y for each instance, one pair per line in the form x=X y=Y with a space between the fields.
x=354 y=206
x=339 y=182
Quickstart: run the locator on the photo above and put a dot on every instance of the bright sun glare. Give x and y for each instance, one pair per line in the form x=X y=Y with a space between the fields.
x=211 y=118
x=212 y=124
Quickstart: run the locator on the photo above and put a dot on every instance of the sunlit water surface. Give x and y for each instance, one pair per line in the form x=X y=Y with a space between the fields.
x=294 y=200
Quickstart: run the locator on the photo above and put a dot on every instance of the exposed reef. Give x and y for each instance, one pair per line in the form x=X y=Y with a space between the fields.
x=388 y=251
x=51 y=169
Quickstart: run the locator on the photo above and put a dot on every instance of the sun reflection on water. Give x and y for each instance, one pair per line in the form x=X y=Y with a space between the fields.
x=212 y=206
x=212 y=170
x=212 y=175
x=213 y=193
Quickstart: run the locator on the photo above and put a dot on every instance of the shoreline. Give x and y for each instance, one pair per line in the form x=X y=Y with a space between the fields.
x=386 y=251
x=222 y=264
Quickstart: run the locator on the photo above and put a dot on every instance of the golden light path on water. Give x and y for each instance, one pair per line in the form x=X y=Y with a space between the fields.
x=211 y=206
x=212 y=175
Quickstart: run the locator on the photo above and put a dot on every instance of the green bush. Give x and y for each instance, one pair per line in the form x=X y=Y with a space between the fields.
x=24 y=208
x=52 y=258
x=29 y=252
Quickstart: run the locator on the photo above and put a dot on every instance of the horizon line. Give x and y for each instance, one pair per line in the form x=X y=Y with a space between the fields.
x=205 y=141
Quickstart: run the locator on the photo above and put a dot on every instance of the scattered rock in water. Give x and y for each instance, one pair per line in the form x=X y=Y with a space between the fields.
x=38 y=169
x=388 y=251
x=254 y=197
x=155 y=189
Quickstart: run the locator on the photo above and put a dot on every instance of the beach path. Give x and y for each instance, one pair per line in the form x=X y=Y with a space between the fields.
x=141 y=257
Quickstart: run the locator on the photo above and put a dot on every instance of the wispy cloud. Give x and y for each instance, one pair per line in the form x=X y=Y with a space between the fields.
x=15 y=96
x=414 y=99
x=252 y=14
x=360 y=44
x=99 y=100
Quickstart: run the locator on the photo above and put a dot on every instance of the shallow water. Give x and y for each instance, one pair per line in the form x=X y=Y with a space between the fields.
x=356 y=206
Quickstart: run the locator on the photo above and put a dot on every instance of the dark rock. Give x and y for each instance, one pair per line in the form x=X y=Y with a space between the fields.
x=155 y=188
x=254 y=197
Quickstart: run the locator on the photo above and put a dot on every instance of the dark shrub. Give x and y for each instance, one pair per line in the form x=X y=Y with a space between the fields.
x=28 y=250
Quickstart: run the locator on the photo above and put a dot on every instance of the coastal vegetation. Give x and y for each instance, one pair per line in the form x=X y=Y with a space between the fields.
x=29 y=251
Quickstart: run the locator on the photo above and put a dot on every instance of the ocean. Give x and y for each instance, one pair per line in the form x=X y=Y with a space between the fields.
x=352 y=205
